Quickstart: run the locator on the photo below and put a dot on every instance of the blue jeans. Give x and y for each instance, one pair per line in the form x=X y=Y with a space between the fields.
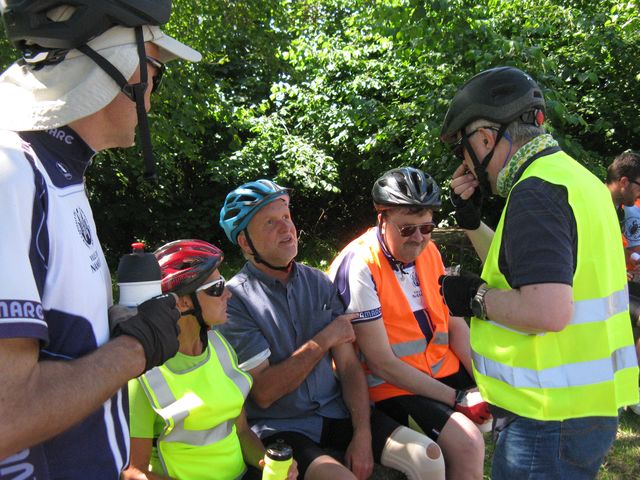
x=568 y=450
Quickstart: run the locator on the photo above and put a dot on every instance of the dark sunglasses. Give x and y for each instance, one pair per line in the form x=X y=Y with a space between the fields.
x=635 y=182
x=160 y=69
x=213 y=289
x=408 y=230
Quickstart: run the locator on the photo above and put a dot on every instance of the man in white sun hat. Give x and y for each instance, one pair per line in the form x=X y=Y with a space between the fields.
x=83 y=85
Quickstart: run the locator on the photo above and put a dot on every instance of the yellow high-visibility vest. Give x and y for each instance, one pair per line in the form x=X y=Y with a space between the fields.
x=590 y=367
x=199 y=408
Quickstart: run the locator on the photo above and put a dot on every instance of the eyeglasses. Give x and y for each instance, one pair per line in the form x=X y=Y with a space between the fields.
x=408 y=230
x=160 y=69
x=213 y=289
x=458 y=147
x=635 y=182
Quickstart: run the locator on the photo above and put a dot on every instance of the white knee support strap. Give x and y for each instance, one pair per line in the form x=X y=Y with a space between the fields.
x=414 y=454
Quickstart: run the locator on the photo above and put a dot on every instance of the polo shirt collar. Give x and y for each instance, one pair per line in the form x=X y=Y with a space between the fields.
x=268 y=279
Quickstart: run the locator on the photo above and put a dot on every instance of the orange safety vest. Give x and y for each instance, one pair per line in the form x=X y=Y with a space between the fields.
x=405 y=336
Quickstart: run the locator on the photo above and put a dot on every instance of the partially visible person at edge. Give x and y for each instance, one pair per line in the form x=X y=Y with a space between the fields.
x=417 y=358
x=287 y=324
x=623 y=181
x=63 y=406
x=552 y=347
x=187 y=415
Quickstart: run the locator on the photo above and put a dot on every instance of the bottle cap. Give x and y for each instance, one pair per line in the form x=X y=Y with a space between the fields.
x=138 y=266
x=138 y=276
x=279 y=451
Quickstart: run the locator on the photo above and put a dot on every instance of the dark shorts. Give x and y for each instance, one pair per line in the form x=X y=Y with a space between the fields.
x=430 y=415
x=335 y=438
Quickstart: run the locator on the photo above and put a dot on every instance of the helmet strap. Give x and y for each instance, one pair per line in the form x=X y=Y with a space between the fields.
x=136 y=94
x=396 y=264
x=259 y=259
x=480 y=167
x=196 y=311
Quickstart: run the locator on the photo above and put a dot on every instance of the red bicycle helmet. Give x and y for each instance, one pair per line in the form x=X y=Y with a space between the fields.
x=186 y=264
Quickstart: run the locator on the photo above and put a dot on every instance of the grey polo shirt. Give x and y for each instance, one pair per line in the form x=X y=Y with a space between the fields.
x=270 y=320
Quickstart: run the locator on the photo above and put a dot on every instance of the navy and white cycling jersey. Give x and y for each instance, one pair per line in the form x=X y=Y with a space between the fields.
x=55 y=287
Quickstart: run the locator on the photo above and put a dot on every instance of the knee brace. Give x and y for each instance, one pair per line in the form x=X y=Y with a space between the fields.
x=414 y=454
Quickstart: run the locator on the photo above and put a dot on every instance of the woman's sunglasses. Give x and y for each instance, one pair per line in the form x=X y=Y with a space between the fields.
x=213 y=289
x=408 y=230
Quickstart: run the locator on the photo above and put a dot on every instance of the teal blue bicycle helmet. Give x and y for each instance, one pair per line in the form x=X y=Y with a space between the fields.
x=244 y=202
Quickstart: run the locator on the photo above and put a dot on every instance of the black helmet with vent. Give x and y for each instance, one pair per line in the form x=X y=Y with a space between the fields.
x=30 y=27
x=500 y=95
x=406 y=187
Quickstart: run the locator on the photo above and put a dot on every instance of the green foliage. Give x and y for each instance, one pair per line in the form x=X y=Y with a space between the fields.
x=324 y=95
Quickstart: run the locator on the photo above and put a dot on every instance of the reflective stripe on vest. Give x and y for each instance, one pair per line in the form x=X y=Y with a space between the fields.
x=589 y=368
x=591 y=310
x=405 y=349
x=567 y=375
x=174 y=411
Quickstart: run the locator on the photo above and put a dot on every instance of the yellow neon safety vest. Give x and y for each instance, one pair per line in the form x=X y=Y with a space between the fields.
x=590 y=367
x=199 y=408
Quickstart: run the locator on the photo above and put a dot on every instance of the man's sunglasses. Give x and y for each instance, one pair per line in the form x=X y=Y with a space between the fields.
x=457 y=147
x=213 y=289
x=408 y=230
x=160 y=69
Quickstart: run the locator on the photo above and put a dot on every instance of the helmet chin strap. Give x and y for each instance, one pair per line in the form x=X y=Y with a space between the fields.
x=480 y=167
x=135 y=92
x=396 y=263
x=196 y=311
x=259 y=259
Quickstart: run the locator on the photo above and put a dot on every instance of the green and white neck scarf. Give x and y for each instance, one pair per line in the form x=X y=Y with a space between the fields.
x=506 y=177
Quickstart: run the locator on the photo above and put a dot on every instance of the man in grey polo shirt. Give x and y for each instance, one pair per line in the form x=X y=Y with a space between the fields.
x=288 y=327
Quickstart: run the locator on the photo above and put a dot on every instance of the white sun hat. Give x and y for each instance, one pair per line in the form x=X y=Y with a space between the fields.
x=56 y=95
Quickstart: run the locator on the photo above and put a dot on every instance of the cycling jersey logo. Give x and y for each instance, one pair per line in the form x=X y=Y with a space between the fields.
x=61 y=135
x=632 y=229
x=414 y=279
x=83 y=226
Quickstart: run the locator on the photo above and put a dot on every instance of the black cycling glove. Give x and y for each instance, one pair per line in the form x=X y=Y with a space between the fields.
x=467 y=212
x=155 y=326
x=457 y=292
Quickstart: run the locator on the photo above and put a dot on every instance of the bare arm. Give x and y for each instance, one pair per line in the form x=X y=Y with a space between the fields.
x=252 y=447
x=374 y=343
x=459 y=341
x=358 y=456
x=39 y=400
x=543 y=307
x=481 y=240
x=271 y=382
x=139 y=466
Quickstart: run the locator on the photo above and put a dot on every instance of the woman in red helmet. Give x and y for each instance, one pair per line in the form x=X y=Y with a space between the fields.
x=187 y=415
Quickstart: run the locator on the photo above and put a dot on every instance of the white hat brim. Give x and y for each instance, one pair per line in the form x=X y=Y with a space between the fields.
x=56 y=95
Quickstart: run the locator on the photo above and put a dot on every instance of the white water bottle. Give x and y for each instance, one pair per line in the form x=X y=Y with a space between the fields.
x=139 y=279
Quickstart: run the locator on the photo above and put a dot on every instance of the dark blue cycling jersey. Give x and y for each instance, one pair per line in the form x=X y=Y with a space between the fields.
x=55 y=287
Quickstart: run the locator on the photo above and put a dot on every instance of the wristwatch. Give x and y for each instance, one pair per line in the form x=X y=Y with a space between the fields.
x=478 y=306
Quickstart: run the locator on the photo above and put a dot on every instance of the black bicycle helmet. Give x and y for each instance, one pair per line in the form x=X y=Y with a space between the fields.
x=406 y=187
x=31 y=29
x=499 y=94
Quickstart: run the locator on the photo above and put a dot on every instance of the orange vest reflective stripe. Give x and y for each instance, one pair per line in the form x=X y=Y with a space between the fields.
x=405 y=336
